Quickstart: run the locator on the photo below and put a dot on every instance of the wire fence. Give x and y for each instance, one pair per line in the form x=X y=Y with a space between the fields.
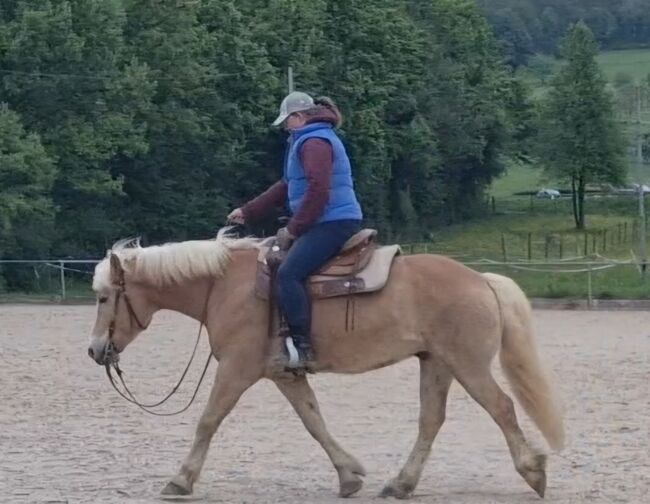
x=543 y=245
x=597 y=277
x=52 y=280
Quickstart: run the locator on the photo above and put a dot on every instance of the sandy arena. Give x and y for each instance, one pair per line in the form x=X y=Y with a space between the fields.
x=66 y=437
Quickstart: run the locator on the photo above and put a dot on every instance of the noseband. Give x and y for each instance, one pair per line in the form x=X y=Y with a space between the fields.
x=112 y=357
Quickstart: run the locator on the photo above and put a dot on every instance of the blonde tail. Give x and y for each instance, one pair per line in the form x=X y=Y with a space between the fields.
x=521 y=362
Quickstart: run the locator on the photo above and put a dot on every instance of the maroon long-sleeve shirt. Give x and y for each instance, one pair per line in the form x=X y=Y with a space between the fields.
x=316 y=157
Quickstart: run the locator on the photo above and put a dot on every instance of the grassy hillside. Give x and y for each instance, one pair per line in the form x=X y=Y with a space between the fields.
x=544 y=233
x=521 y=178
x=634 y=62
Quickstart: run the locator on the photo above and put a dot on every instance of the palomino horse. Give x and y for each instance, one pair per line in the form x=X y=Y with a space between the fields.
x=453 y=319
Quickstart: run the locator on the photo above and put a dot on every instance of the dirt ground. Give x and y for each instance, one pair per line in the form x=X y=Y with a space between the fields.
x=65 y=435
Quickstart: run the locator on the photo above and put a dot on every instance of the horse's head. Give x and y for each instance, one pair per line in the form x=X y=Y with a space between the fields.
x=123 y=310
x=126 y=279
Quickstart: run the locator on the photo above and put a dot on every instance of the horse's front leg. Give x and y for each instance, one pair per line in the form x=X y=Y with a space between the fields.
x=232 y=380
x=302 y=398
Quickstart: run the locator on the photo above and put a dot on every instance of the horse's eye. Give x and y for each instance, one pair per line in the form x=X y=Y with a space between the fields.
x=103 y=299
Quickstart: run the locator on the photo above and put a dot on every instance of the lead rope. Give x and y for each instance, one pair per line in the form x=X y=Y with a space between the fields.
x=130 y=397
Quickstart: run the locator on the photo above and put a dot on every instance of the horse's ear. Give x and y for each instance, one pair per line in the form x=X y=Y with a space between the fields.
x=117 y=272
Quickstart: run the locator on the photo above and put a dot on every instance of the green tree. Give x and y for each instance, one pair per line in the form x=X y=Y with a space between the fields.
x=516 y=42
x=66 y=74
x=207 y=123
x=465 y=74
x=580 y=140
x=27 y=174
x=371 y=60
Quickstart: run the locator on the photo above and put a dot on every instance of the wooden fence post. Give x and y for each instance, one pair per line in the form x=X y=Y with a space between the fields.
x=546 y=247
x=593 y=243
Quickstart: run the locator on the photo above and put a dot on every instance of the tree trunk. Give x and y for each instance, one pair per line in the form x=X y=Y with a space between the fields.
x=574 y=201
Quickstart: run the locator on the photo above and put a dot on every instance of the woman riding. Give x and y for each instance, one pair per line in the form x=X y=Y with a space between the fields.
x=325 y=213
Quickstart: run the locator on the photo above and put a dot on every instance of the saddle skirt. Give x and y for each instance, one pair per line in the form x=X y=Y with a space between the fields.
x=361 y=266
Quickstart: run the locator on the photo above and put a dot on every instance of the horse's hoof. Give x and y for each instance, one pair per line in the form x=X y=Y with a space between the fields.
x=397 y=490
x=350 y=487
x=536 y=476
x=175 y=490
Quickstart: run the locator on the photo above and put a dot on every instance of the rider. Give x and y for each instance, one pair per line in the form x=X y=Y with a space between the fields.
x=317 y=184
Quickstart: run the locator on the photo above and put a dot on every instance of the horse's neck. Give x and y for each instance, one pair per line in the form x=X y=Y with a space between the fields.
x=194 y=297
x=188 y=298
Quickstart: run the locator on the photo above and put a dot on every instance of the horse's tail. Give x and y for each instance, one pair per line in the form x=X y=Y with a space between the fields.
x=521 y=363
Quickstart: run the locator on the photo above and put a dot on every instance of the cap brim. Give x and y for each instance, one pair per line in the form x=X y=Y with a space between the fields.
x=280 y=119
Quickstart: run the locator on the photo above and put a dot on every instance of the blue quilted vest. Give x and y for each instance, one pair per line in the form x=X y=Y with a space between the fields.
x=342 y=202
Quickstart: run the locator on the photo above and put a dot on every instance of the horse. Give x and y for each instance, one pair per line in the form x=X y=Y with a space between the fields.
x=453 y=319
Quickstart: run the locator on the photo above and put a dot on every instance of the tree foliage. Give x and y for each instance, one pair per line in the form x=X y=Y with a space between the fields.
x=153 y=118
x=580 y=141
x=527 y=27
x=26 y=177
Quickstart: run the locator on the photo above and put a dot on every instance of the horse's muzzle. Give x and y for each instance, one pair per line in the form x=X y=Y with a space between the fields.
x=106 y=355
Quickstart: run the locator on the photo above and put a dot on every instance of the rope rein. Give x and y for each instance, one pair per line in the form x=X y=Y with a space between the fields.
x=113 y=364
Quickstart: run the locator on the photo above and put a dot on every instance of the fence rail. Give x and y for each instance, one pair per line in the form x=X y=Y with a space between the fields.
x=28 y=281
x=70 y=279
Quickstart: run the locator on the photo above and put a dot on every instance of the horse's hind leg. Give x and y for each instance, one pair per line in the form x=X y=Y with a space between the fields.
x=301 y=396
x=231 y=382
x=435 y=380
x=481 y=385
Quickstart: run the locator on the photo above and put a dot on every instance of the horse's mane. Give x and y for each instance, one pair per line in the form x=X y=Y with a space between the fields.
x=172 y=262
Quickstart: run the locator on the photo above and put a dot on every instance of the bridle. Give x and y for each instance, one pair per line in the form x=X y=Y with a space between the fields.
x=112 y=359
x=121 y=292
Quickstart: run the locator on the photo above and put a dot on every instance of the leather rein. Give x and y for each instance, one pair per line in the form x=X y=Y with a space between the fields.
x=112 y=361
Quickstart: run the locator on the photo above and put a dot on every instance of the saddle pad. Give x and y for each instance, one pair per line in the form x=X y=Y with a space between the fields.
x=370 y=279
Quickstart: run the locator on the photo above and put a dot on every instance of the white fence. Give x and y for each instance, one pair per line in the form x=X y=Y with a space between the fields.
x=77 y=273
x=60 y=266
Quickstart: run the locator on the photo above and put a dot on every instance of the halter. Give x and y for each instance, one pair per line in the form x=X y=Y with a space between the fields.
x=112 y=363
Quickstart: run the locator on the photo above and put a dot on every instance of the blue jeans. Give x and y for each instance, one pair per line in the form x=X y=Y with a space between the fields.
x=309 y=252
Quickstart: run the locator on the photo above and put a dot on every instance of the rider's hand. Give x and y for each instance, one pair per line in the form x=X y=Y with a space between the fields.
x=236 y=216
x=284 y=238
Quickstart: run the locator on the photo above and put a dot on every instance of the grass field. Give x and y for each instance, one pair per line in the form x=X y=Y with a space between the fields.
x=545 y=244
x=522 y=228
x=545 y=237
x=634 y=62
x=525 y=178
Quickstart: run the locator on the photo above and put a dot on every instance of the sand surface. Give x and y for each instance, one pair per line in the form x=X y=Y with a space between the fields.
x=65 y=435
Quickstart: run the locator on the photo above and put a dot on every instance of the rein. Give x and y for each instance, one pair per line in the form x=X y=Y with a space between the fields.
x=113 y=364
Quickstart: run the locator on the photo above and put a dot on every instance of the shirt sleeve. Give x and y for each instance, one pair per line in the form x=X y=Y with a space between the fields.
x=316 y=157
x=275 y=196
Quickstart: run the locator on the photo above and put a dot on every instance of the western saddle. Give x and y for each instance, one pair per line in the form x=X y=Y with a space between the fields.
x=361 y=266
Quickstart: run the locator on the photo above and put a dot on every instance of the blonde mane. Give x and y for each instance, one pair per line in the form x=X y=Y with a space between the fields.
x=173 y=262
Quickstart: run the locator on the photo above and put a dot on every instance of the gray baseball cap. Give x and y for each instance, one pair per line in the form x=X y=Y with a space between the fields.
x=293 y=102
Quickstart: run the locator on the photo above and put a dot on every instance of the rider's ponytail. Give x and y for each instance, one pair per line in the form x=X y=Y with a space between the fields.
x=328 y=103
